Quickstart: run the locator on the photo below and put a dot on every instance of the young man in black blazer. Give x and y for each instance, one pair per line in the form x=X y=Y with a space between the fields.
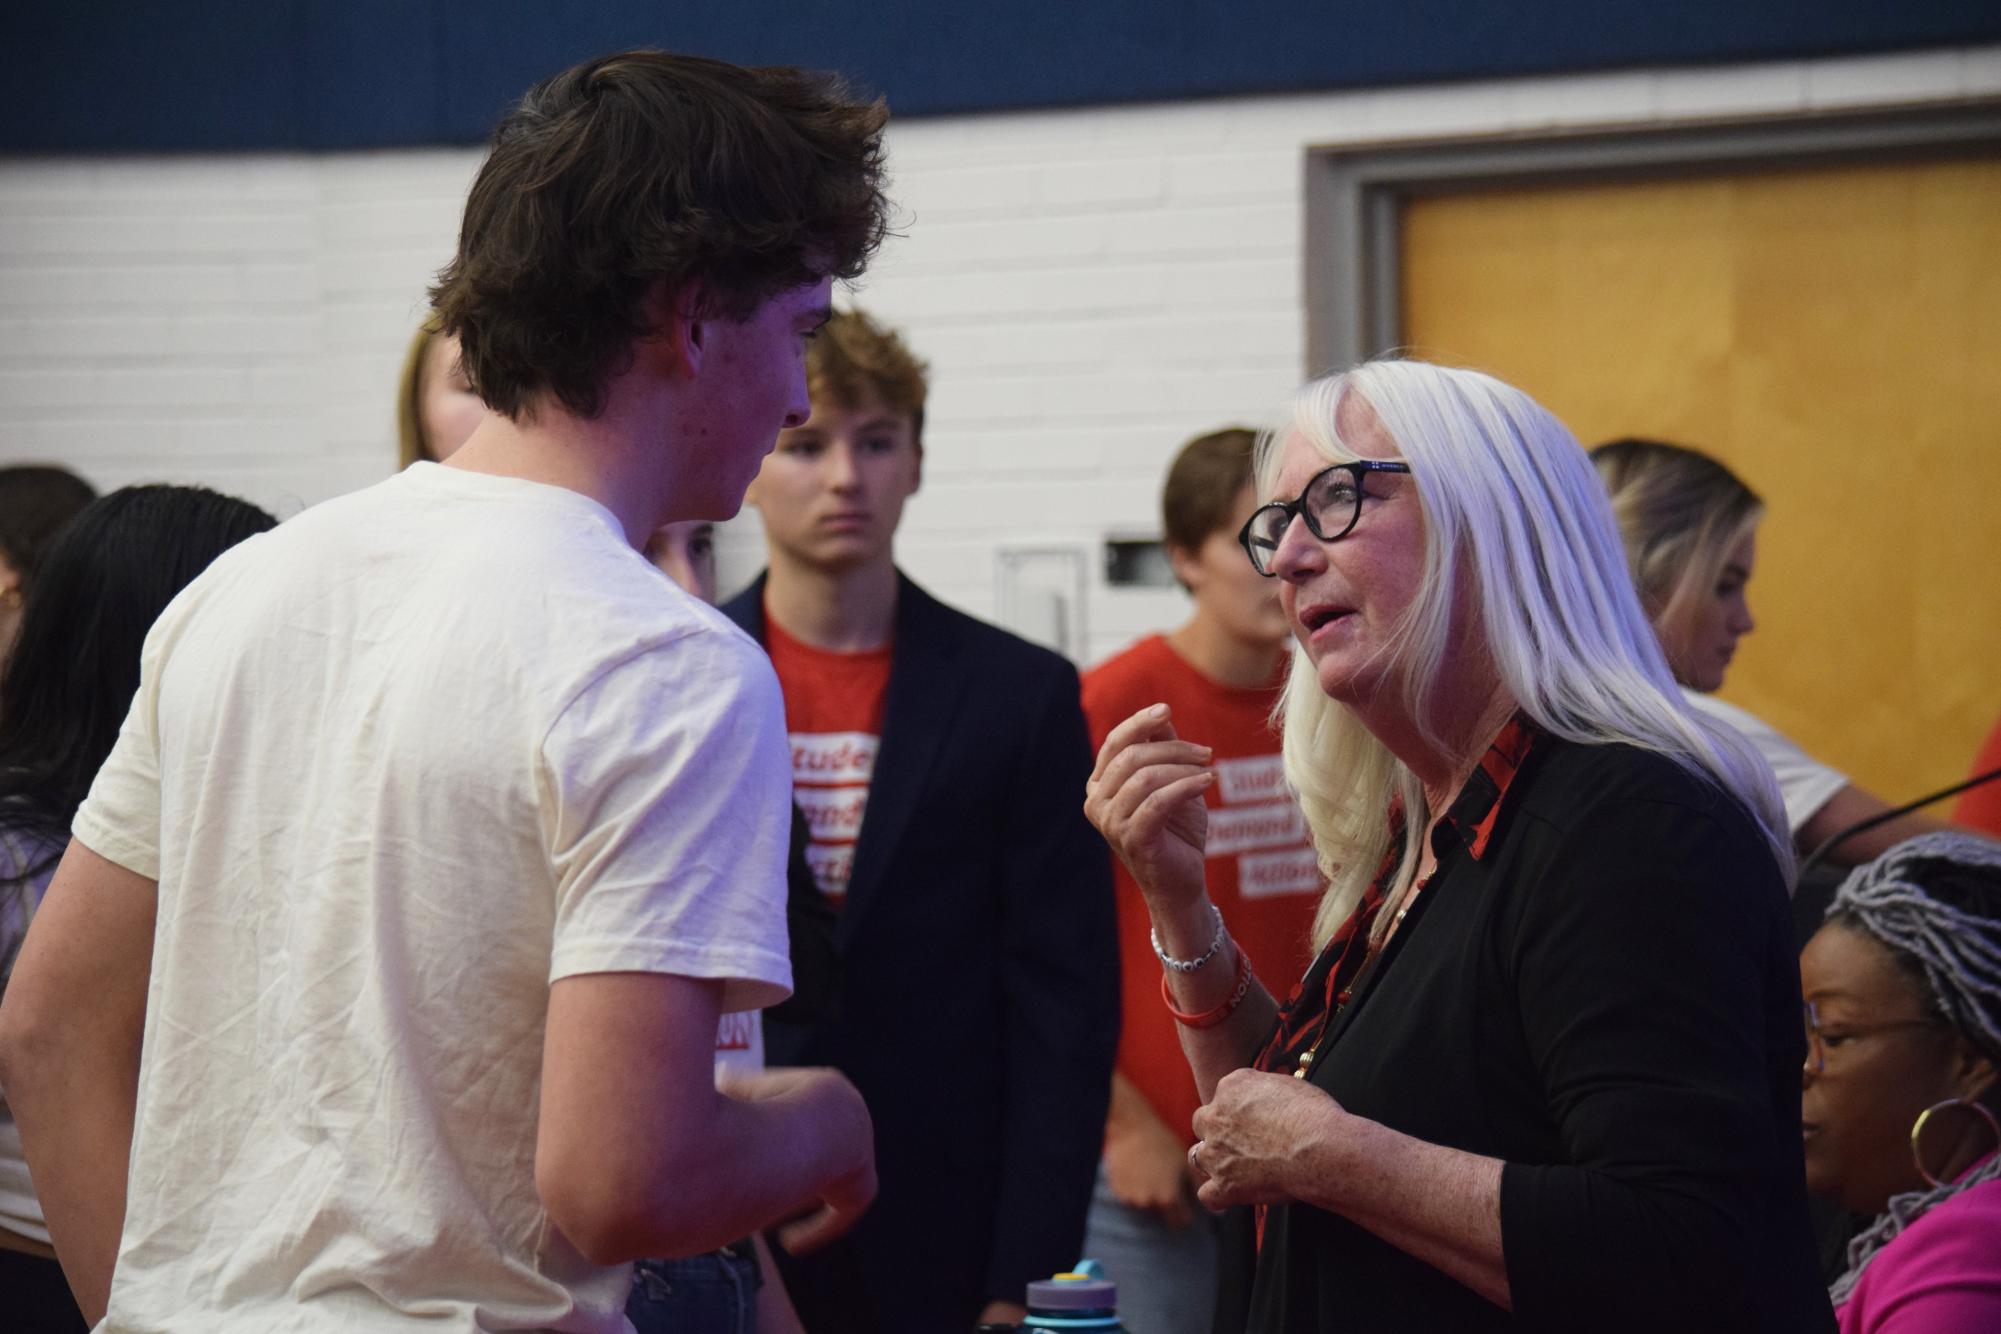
x=940 y=763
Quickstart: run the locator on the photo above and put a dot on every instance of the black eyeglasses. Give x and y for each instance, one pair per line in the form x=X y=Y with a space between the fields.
x=1330 y=504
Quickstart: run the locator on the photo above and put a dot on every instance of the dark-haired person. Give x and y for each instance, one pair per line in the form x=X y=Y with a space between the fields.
x=36 y=500
x=443 y=831
x=63 y=695
x=1220 y=672
x=935 y=757
x=1901 y=1113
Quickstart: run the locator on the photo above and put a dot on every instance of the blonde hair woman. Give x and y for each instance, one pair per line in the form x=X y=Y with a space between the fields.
x=1690 y=527
x=1546 y=1060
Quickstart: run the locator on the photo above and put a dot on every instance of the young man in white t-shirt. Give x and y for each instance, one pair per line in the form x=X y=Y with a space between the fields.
x=379 y=988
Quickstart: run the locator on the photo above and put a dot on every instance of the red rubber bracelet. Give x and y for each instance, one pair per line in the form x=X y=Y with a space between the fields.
x=1211 y=1018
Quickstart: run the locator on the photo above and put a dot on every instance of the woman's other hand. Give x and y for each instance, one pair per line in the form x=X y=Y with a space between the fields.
x=1145 y=797
x=1258 y=1136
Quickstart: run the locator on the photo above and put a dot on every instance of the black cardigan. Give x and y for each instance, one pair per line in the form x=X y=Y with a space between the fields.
x=1608 y=1001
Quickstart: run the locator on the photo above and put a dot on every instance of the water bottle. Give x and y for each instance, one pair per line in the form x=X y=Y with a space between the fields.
x=1082 y=1299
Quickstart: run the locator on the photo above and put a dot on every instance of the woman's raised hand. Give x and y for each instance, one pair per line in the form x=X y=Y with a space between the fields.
x=1145 y=797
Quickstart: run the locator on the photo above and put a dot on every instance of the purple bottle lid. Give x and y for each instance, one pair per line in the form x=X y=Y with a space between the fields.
x=1073 y=1292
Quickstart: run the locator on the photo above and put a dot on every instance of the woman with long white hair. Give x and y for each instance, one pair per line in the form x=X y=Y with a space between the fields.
x=1543 y=1072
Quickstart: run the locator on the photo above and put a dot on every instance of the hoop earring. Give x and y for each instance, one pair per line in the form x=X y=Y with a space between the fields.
x=1918 y=1129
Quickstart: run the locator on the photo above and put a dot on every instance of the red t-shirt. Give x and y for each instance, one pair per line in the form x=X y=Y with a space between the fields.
x=1261 y=871
x=833 y=711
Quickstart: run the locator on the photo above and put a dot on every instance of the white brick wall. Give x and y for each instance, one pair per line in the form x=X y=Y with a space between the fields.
x=1091 y=288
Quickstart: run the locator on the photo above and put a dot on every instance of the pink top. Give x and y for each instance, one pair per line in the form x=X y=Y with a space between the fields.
x=1941 y=1276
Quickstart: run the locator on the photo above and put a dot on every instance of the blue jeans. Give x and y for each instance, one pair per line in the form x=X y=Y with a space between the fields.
x=1166 y=1276
x=706 y=1294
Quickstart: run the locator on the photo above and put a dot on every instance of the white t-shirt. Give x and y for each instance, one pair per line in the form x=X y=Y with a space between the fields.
x=1805 y=784
x=397 y=766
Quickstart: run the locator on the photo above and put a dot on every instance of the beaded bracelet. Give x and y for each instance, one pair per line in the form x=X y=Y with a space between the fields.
x=1211 y=1018
x=1190 y=965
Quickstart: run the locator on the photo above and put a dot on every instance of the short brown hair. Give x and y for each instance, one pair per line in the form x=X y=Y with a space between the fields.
x=1203 y=484
x=854 y=360
x=645 y=172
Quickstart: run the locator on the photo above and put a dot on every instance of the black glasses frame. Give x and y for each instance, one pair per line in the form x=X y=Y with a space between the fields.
x=1296 y=507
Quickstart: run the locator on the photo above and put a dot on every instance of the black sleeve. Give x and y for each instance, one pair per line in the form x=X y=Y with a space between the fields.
x=809 y=930
x=1060 y=984
x=1644 y=966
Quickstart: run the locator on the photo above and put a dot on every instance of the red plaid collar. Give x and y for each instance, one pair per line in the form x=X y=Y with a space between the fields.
x=1470 y=822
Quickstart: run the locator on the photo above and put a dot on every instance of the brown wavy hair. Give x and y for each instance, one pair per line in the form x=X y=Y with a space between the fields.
x=855 y=360
x=644 y=175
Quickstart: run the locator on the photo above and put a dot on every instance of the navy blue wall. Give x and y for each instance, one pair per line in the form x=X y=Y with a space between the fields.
x=139 y=75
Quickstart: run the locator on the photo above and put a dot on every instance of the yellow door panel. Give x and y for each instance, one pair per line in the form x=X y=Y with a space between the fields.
x=1835 y=336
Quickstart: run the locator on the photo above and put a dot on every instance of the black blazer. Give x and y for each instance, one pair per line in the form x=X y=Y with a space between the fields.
x=979 y=999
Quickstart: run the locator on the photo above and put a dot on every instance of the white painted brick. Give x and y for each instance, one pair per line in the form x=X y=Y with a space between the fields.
x=206 y=386
x=948 y=192
x=26 y=389
x=430 y=221
x=1100 y=183
x=1980 y=72
x=1042 y=453
x=1441 y=111
x=240 y=436
x=288 y=386
x=1261 y=338
x=243 y=234
x=949 y=560
x=1262 y=283
x=1265 y=124
x=251 y=336
x=85 y=340
x=984 y=346
x=28 y=285
x=1197 y=232
x=1742 y=90
x=1918 y=76
x=1584 y=99
x=378 y=272
x=1045 y=292
x=952 y=244
x=1270 y=174
x=1092 y=287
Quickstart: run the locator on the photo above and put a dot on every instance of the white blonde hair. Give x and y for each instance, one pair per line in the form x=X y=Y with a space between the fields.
x=1511 y=502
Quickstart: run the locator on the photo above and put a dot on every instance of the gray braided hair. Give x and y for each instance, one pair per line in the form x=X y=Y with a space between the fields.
x=1935 y=902
x=1936 y=899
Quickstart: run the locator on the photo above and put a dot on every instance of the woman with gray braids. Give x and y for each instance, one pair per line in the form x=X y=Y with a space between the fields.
x=1903 y=1084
